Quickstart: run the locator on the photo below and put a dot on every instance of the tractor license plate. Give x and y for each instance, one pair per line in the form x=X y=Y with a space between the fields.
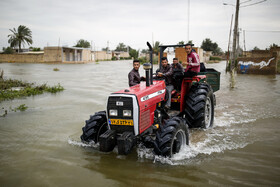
x=128 y=122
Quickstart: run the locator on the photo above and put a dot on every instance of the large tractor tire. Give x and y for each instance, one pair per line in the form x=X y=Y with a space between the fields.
x=94 y=127
x=199 y=107
x=172 y=136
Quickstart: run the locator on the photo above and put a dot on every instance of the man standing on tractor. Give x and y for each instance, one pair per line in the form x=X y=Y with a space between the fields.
x=166 y=72
x=134 y=76
x=193 y=63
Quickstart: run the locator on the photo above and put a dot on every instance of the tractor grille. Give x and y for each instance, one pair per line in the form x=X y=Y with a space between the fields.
x=120 y=104
x=145 y=120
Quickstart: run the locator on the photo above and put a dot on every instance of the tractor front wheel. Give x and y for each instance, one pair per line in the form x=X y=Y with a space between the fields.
x=172 y=137
x=94 y=127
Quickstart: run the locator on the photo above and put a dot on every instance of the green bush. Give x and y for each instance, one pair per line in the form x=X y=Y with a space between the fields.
x=143 y=60
x=155 y=60
x=24 y=89
x=36 y=49
x=21 y=108
x=8 y=50
x=215 y=58
x=114 y=58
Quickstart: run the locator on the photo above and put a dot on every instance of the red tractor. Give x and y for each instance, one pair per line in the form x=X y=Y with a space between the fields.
x=137 y=114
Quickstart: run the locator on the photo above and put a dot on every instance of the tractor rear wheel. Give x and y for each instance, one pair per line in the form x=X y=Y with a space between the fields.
x=94 y=127
x=199 y=110
x=172 y=136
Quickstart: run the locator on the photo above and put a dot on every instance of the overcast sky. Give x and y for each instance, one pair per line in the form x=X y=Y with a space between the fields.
x=132 y=22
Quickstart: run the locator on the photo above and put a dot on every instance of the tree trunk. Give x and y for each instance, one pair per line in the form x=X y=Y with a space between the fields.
x=19 y=47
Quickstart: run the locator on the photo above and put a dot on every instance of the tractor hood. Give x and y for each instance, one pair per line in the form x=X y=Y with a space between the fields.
x=141 y=100
x=146 y=95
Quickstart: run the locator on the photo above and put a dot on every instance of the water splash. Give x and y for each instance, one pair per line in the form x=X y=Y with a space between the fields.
x=81 y=144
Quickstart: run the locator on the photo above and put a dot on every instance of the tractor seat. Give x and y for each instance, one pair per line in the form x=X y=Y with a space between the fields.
x=202 y=67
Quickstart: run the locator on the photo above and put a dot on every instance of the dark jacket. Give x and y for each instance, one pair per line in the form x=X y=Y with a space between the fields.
x=178 y=68
x=134 y=77
x=167 y=73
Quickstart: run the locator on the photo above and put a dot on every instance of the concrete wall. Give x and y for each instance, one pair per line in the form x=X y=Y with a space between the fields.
x=258 y=65
x=260 y=53
x=206 y=56
x=86 y=55
x=22 y=58
x=53 y=54
x=260 y=62
x=122 y=54
x=102 y=55
x=50 y=55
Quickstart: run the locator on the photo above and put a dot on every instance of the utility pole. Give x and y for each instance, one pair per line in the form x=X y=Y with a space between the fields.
x=244 y=41
x=107 y=50
x=234 y=54
x=228 y=56
x=235 y=35
x=91 y=50
x=235 y=31
x=237 y=43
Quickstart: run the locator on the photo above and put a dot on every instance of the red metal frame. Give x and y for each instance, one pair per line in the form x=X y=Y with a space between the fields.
x=185 y=87
x=148 y=102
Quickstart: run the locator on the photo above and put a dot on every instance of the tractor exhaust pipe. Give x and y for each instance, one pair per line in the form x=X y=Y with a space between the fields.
x=147 y=67
x=151 y=61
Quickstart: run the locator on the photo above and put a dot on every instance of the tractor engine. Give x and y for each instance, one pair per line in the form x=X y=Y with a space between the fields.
x=130 y=112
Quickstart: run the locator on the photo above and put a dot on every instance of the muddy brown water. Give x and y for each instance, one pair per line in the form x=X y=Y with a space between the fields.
x=41 y=146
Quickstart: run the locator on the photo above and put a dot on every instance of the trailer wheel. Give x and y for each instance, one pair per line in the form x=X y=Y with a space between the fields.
x=94 y=127
x=199 y=110
x=172 y=136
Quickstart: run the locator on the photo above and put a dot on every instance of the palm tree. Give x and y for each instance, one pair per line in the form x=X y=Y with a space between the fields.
x=156 y=47
x=20 y=36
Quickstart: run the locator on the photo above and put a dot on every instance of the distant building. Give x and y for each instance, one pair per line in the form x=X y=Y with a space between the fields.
x=67 y=54
x=51 y=55
x=181 y=54
x=120 y=54
x=107 y=55
x=101 y=55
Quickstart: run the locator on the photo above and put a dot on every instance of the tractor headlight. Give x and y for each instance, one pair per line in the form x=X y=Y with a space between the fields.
x=127 y=113
x=113 y=112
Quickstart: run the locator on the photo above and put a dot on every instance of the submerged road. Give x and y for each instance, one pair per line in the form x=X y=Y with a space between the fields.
x=41 y=146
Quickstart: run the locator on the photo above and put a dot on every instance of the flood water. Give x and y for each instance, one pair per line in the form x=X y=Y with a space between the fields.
x=41 y=146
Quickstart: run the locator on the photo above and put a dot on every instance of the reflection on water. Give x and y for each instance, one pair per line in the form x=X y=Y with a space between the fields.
x=41 y=146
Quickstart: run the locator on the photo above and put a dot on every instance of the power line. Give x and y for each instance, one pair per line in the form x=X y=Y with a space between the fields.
x=245 y=2
x=253 y=3
x=260 y=31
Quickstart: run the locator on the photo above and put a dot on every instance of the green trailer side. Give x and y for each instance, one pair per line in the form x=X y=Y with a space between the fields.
x=212 y=78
